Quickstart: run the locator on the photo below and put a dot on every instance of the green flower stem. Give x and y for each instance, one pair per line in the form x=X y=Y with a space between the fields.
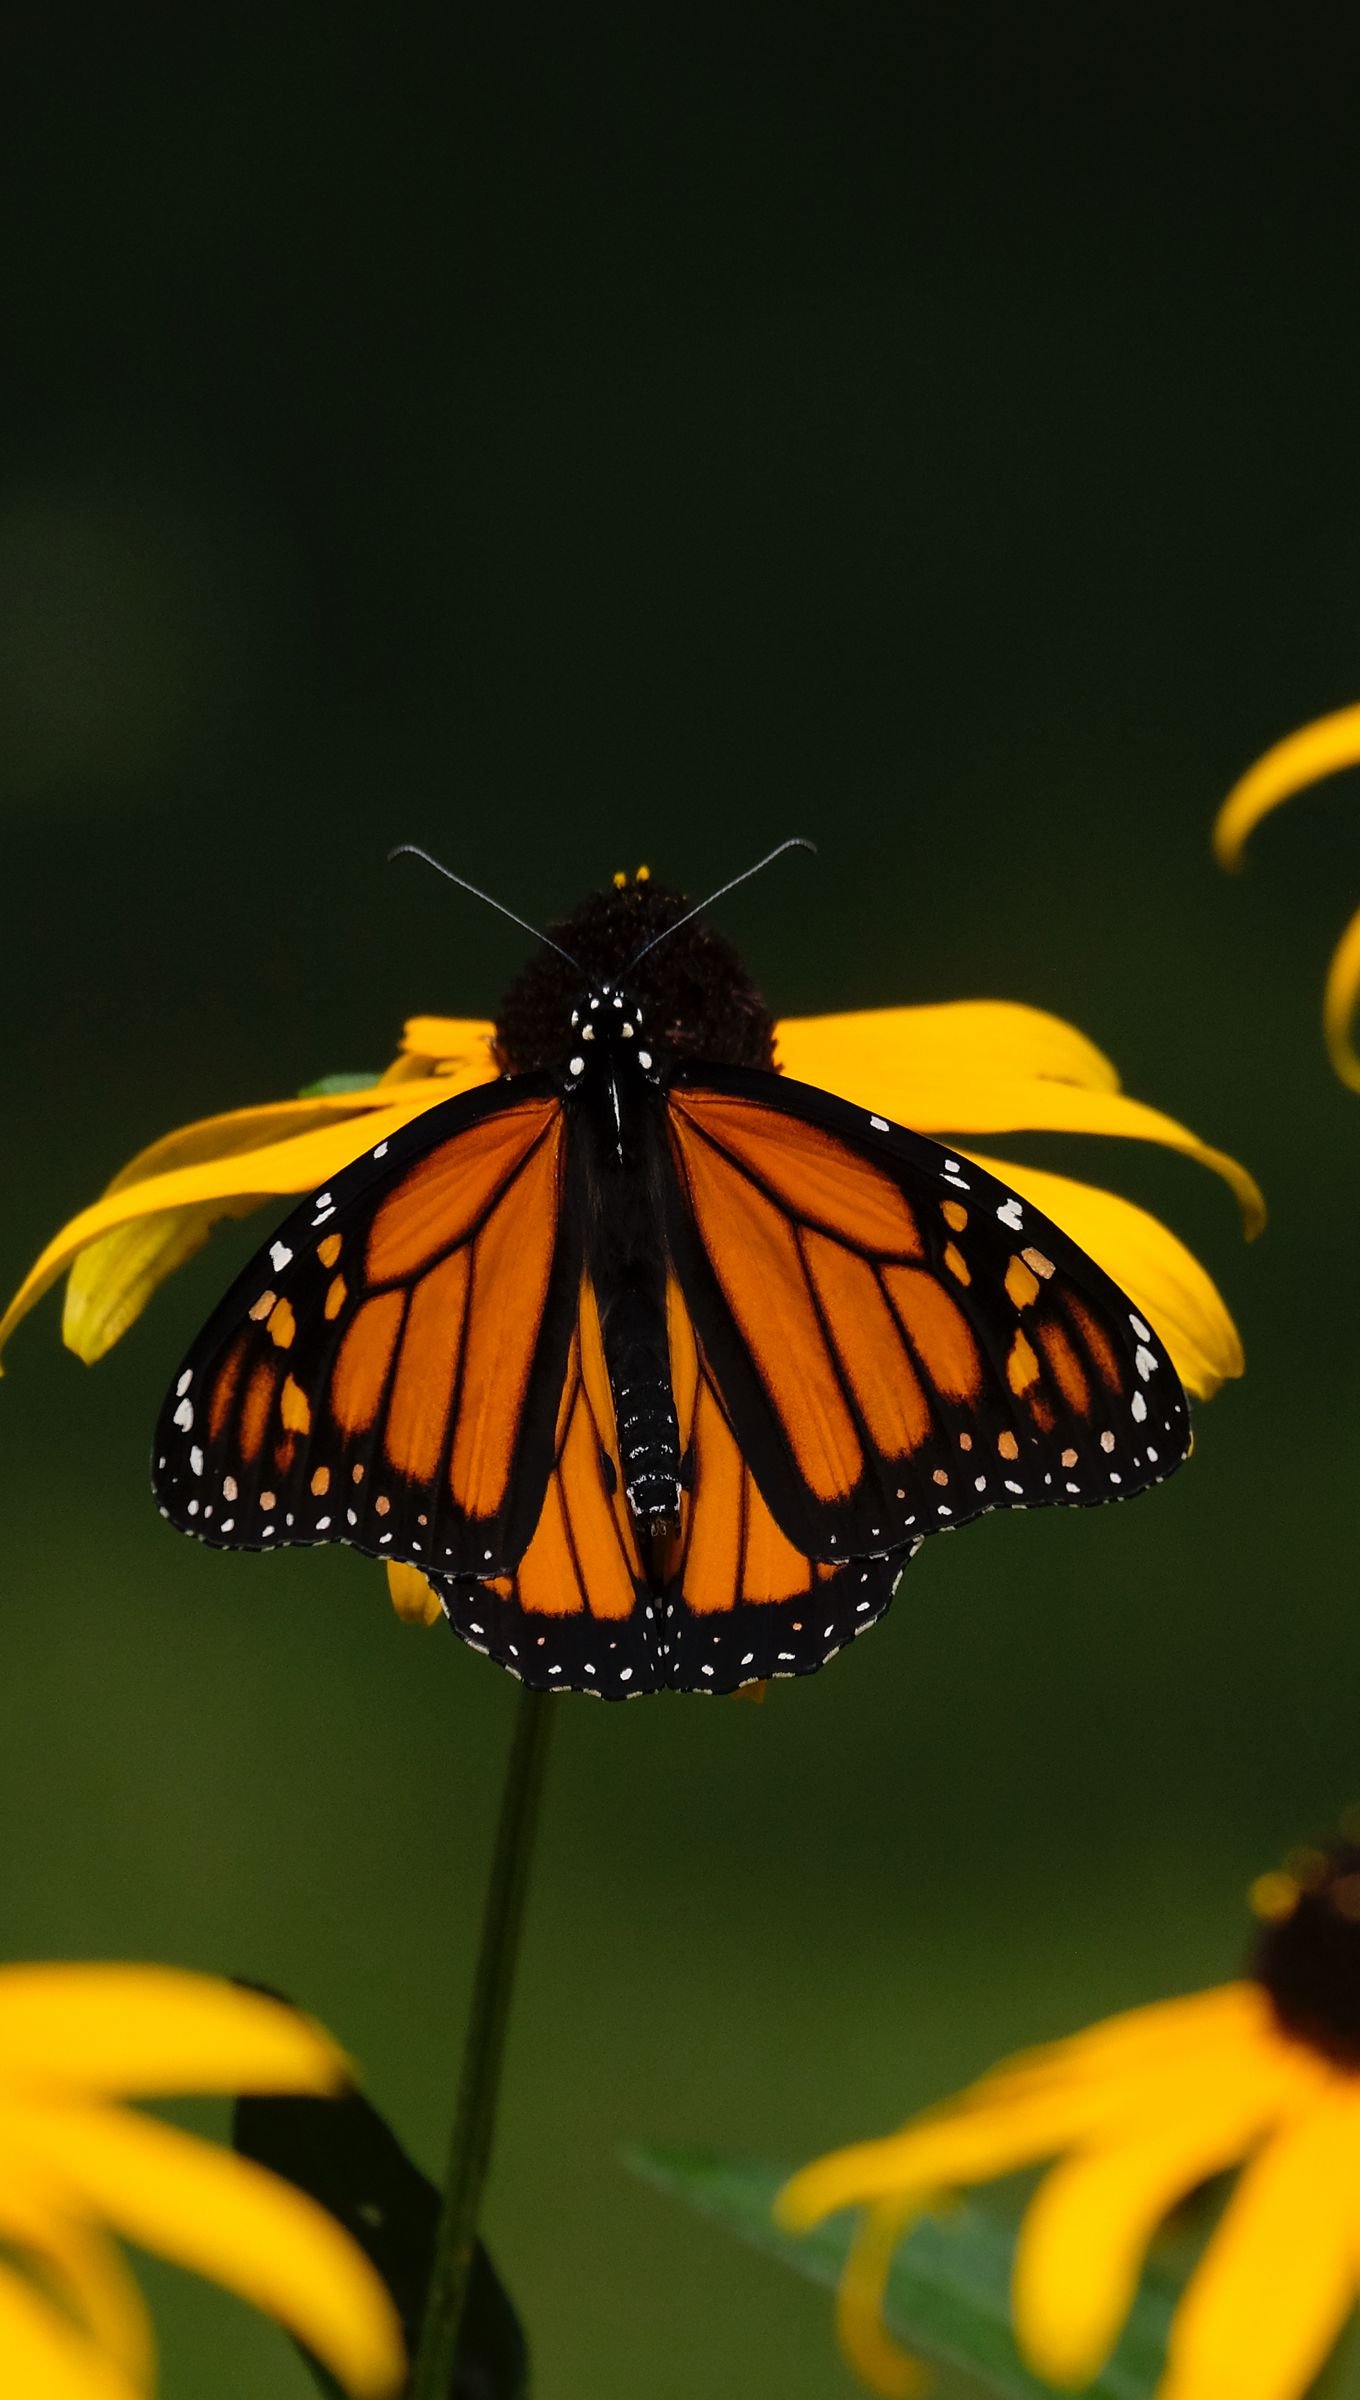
x=483 y=2050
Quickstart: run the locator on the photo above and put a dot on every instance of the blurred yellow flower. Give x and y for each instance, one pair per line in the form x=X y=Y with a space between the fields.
x=75 y=2169
x=1139 y=2110
x=1323 y=748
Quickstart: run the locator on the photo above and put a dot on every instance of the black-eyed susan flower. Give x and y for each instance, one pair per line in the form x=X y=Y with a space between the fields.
x=1138 y=2111
x=967 y=1069
x=76 y=2170
x=1325 y=747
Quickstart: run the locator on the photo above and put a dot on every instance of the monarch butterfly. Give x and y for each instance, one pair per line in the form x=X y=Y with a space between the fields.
x=658 y=1365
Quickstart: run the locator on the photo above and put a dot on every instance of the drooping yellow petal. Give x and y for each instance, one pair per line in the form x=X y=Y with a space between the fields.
x=987 y=1101
x=111 y=1282
x=1275 y=2285
x=963 y=2142
x=108 y=2029
x=219 y=1181
x=868 y=2347
x=43 y=2357
x=1338 y=1005
x=1322 y=748
x=228 y=2219
x=1037 y=2107
x=1086 y=2231
x=83 y=2267
x=1162 y=1278
x=866 y=1054
x=412 y=1595
x=993 y=1105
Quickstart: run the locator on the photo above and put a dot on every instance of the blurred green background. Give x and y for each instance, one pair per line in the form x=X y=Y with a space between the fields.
x=567 y=439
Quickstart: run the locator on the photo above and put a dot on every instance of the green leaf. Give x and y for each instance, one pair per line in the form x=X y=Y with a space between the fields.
x=948 y=2295
x=343 y=2154
x=326 y=1086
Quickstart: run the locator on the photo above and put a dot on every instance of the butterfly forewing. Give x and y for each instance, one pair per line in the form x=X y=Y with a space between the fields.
x=388 y=1370
x=900 y=1343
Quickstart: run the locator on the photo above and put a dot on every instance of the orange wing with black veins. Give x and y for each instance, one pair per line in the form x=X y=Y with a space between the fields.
x=896 y=1341
x=389 y=1369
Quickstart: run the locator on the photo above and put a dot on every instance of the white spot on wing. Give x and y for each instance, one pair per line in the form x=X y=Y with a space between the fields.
x=279 y=1254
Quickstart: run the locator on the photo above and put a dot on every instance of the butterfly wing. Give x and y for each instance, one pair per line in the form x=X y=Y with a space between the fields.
x=897 y=1342
x=388 y=1370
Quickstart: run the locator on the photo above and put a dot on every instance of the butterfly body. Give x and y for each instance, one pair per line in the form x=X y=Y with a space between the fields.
x=615 y=1078
x=658 y=1366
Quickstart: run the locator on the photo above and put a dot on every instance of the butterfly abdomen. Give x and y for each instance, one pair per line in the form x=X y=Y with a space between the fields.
x=638 y=1363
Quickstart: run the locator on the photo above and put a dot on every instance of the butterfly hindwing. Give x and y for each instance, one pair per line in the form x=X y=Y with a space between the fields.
x=899 y=1342
x=388 y=1369
x=724 y=1599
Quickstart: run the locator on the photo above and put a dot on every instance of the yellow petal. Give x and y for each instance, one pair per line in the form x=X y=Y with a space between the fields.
x=231 y=2220
x=988 y=1106
x=1165 y=1282
x=1338 y=1004
x=412 y=1595
x=456 y=1045
x=1034 y=2108
x=864 y=1054
x=241 y=1129
x=155 y=2029
x=869 y=2349
x=1274 y=2287
x=1322 y=748
x=218 y=1180
x=43 y=2357
x=111 y=1282
x=82 y=2266
x=967 y=2140
x=982 y=1098
x=1086 y=2231
x=1229 y=2017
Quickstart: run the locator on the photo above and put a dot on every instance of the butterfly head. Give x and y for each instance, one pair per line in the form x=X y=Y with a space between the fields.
x=688 y=997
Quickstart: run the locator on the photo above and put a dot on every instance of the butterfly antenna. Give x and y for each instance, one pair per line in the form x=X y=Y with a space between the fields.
x=410 y=850
x=796 y=841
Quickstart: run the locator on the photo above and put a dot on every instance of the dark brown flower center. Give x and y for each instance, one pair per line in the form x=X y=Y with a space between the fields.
x=698 y=997
x=1308 y=1953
